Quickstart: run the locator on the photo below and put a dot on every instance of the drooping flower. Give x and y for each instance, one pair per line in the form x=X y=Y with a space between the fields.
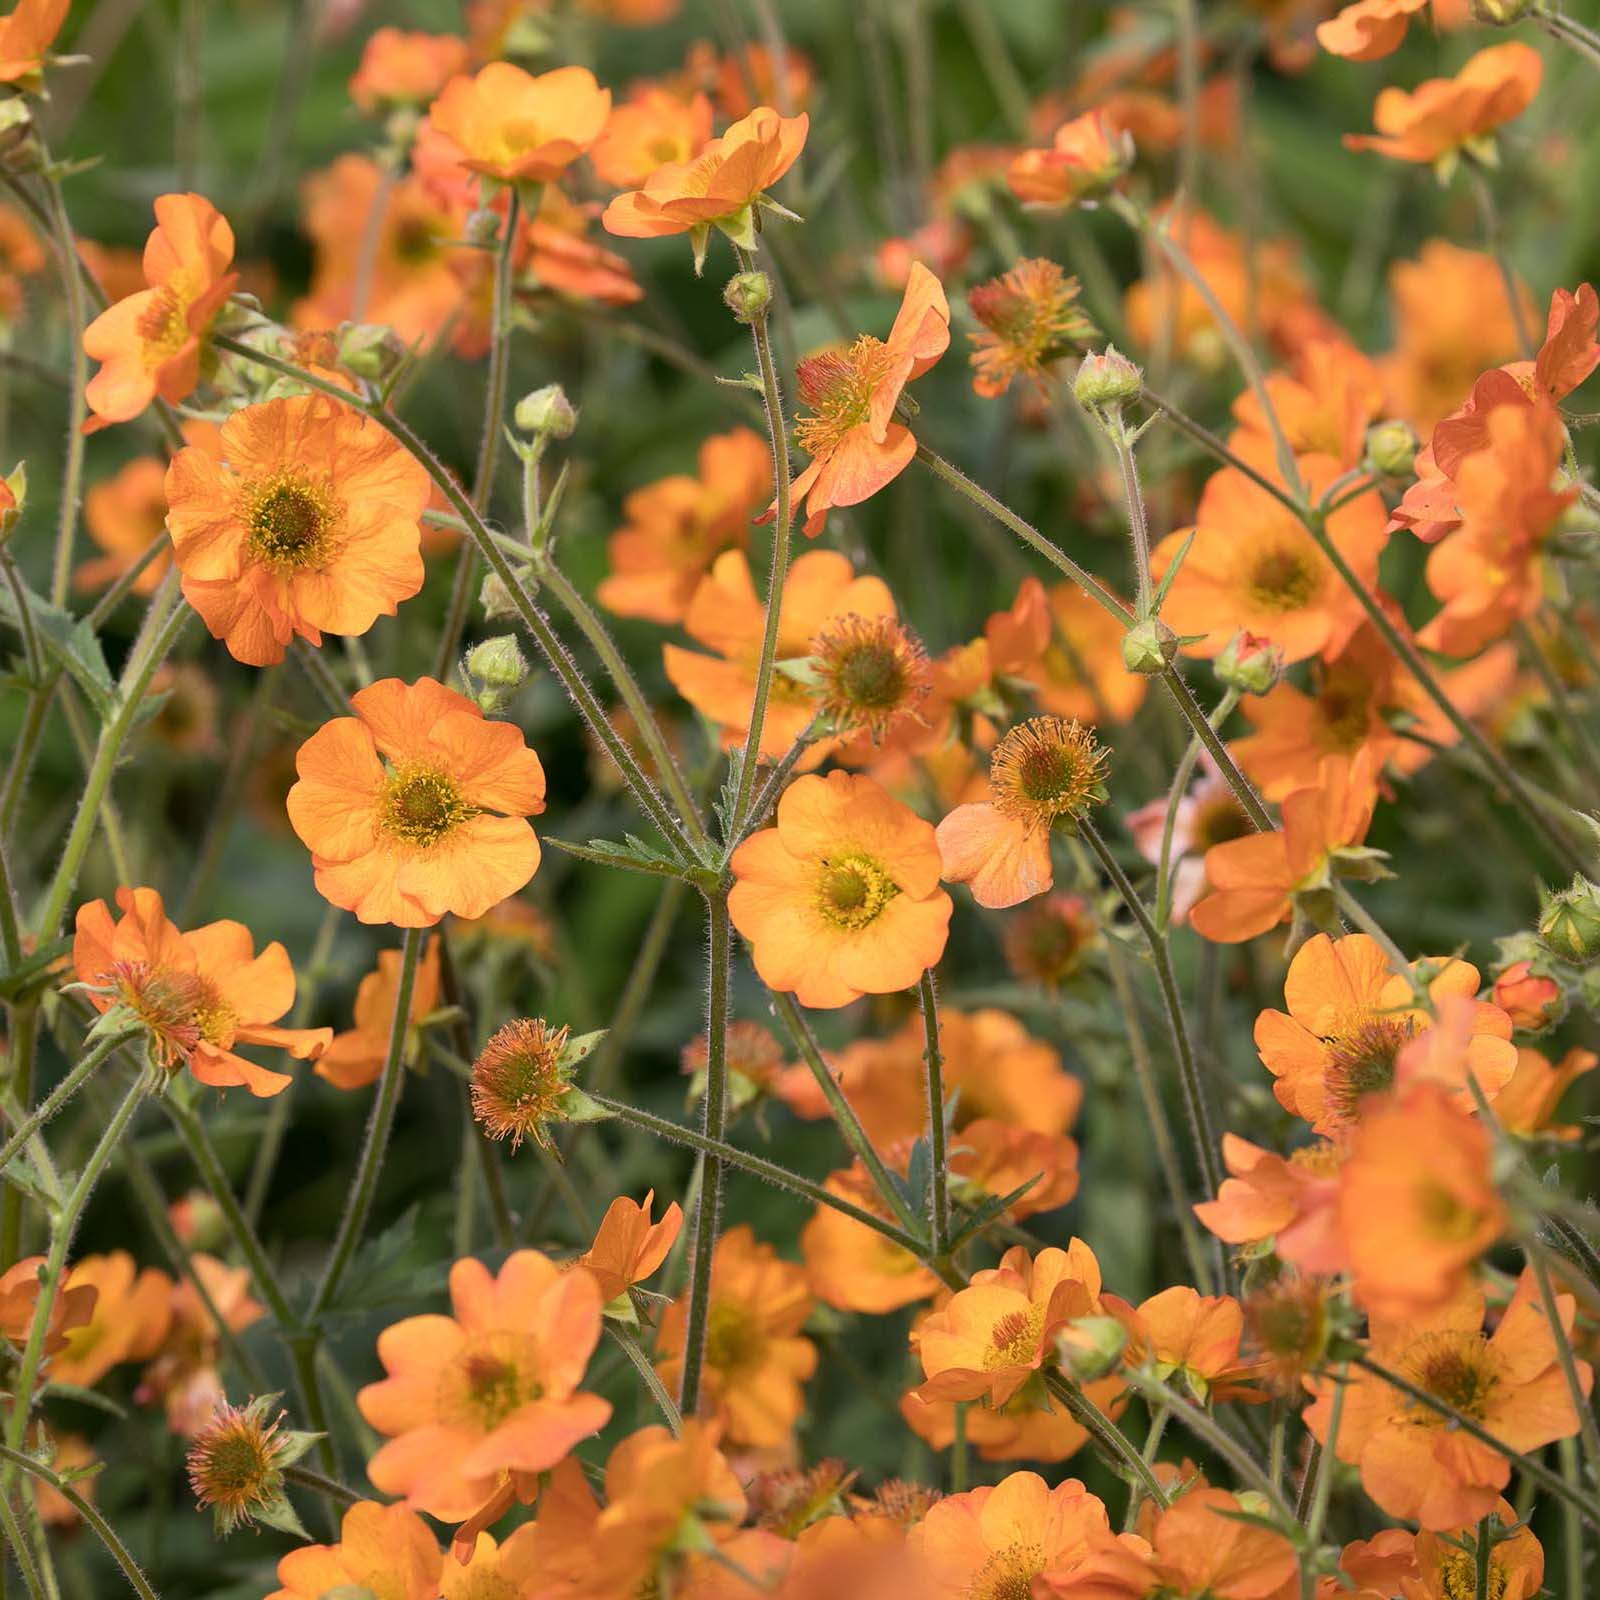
x=417 y=806
x=511 y=126
x=1191 y=1338
x=1293 y=1201
x=312 y=521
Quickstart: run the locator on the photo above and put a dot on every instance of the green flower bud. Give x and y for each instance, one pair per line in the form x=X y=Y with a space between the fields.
x=1391 y=449
x=495 y=670
x=369 y=351
x=1569 y=923
x=747 y=295
x=546 y=411
x=1249 y=663
x=1091 y=1347
x=1149 y=647
x=1107 y=381
x=482 y=226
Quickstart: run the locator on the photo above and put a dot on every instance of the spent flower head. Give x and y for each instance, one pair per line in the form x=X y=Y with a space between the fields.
x=236 y=1465
x=521 y=1080
x=872 y=672
x=1030 y=317
x=1047 y=770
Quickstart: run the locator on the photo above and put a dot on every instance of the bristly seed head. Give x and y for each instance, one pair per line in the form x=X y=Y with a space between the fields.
x=519 y=1082
x=1047 y=770
x=236 y=1462
x=873 y=672
x=1030 y=317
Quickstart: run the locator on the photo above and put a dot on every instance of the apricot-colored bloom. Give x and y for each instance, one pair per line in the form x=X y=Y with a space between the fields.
x=853 y=1267
x=1531 y=999
x=1352 y=1022
x=1254 y=880
x=1200 y=1547
x=120 y=1313
x=1293 y=1201
x=842 y=897
x=1030 y=317
x=19 y=1298
x=1443 y=116
x=855 y=445
x=994 y=1158
x=198 y=994
x=1209 y=814
x=1414 y=1463
x=355 y=1057
x=718 y=188
x=1417 y=1201
x=1192 y=1337
x=1030 y=1426
x=491 y=1389
x=628 y=1246
x=992 y=1337
x=1085 y=158
x=417 y=806
x=509 y=125
x=676 y=526
x=184 y=1372
x=1446 y=1564
x=125 y=514
x=1528 y=1103
x=756 y=1359
x=382 y=1550
x=1252 y=565
x=401 y=68
x=26 y=35
x=1324 y=403
x=1051 y=941
x=1369 y=29
x=652 y=128
x=1079 y=672
x=153 y=343
x=313 y=521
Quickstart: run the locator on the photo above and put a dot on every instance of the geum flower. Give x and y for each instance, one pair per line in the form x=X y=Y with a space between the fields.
x=477 y=1399
x=1369 y=29
x=1029 y=318
x=417 y=806
x=720 y=188
x=154 y=342
x=25 y=36
x=628 y=1247
x=356 y=1056
x=196 y=994
x=510 y=126
x=1292 y=1201
x=855 y=444
x=1085 y=159
x=312 y=521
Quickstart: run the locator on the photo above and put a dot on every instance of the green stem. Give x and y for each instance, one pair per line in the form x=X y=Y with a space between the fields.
x=1583 y=742
x=1138 y=519
x=1106 y=1433
x=66 y=245
x=330 y=1489
x=17 y=1544
x=63 y=1092
x=1175 y=796
x=1312 y=1550
x=1581 y=1406
x=648 y=1375
x=1577 y=38
x=939 y=1177
x=1152 y=1445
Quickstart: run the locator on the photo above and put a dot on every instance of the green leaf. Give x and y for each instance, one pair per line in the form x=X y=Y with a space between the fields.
x=70 y=641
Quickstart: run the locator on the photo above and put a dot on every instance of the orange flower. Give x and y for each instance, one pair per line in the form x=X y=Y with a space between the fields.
x=508 y=125
x=1078 y=671
x=384 y=1550
x=154 y=342
x=1201 y=1547
x=756 y=1358
x=1086 y=158
x=184 y=1372
x=355 y=1057
x=314 y=522
x=652 y=128
x=842 y=897
x=853 y=1267
x=994 y=1158
x=1369 y=29
x=197 y=994
x=1439 y=119
x=855 y=444
x=1446 y=1564
x=1254 y=880
x=1190 y=1336
x=1414 y=1463
x=417 y=806
x=677 y=525
x=563 y=260
x=26 y=34
x=1291 y=1201
x=1527 y=1104
x=1417 y=1201
x=1252 y=565
x=1353 y=1026
x=994 y=1336
x=399 y=68
x=1324 y=404
x=1030 y=317
x=121 y=1313
x=629 y=1247
x=488 y=1391
x=719 y=188
x=125 y=514
x=1030 y=1426
x=19 y=1298
x=1531 y=999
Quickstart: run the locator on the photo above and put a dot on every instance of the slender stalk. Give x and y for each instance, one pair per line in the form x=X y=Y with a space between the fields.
x=1577 y=38
x=629 y=1346
x=1175 y=797
x=1495 y=243
x=713 y=1131
x=320 y=676
x=939 y=1177
x=63 y=1092
x=17 y=1544
x=1320 y=1494
x=1152 y=1445
x=1583 y=742
x=766 y=797
x=379 y=1126
x=1572 y=1541
x=1581 y=1406
x=1105 y=1433
x=330 y=1489
x=1138 y=519
x=66 y=246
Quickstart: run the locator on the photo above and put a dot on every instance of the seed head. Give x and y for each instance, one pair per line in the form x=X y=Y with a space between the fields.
x=236 y=1464
x=520 y=1081
x=873 y=672
x=1047 y=770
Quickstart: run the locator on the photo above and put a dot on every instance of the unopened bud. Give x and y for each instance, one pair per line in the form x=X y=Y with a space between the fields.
x=369 y=351
x=1570 y=921
x=1090 y=1347
x=547 y=412
x=1391 y=449
x=1533 y=1001
x=1149 y=647
x=495 y=598
x=748 y=295
x=495 y=670
x=13 y=496
x=1107 y=380
x=482 y=226
x=1249 y=663
x=1501 y=13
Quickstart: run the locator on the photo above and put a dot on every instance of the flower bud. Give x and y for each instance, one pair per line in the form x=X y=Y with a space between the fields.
x=369 y=351
x=1149 y=647
x=1091 y=1347
x=1569 y=924
x=1391 y=449
x=495 y=598
x=546 y=412
x=482 y=226
x=495 y=670
x=1500 y=13
x=1249 y=663
x=748 y=295
x=1532 y=1000
x=1107 y=380
x=13 y=496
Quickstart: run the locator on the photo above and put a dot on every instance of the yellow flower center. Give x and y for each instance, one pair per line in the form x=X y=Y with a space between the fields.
x=421 y=805
x=1008 y=1574
x=1458 y=1576
x=733 y=1339
x=487 y=1382
x=292 y=519
x=1282 y=578
x=853 y=889
x=1456 y=1367
x=1362 y=1062
x=1046 y=768
x=838 y=386
x=1014 y=1339
x=162 y=326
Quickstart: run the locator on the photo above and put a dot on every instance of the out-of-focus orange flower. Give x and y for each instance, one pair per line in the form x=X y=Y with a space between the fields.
x=1052 y=940
x=991 y=1338
x=853 y=1267
x=1200 y=1546
x=1527 y=1104
x=511 y=126
x=198 y=994
x=1324 y=403
x=184 y=1373
x=118 y=271
x=69 y=1453
x=1030 y=317
x=1252 y=565
x=26 y=35
x=125 y=514
x=386 y=1550
x=1191 y=1337
x=1439 y=119
x=561 y=258
x=401 y=68
x=1417 y=1201
x=312 y=521
x=488 y=1391
x=992 y=1158
x=417 y=806
x=842 y=897
x=1028 y=1427
x=756 y=1359
x=718 y=188
x=185 y=719
x=677 y=525
x=855 y=445
x=154 y=342
x=1292 y=1200
x=120 y=1313
x=1413 y=1462
x=749 y=77
x=1532 y=1000
x=355 y=1057
x=19 y=1298
x=1352 y=1020
x=652 y=128
x=21 y=256
x=1254 y=880
x=1369 y=29
x=1080 y=672
x=1085 y=158
x=1447 y=1563
x=628 y=1246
